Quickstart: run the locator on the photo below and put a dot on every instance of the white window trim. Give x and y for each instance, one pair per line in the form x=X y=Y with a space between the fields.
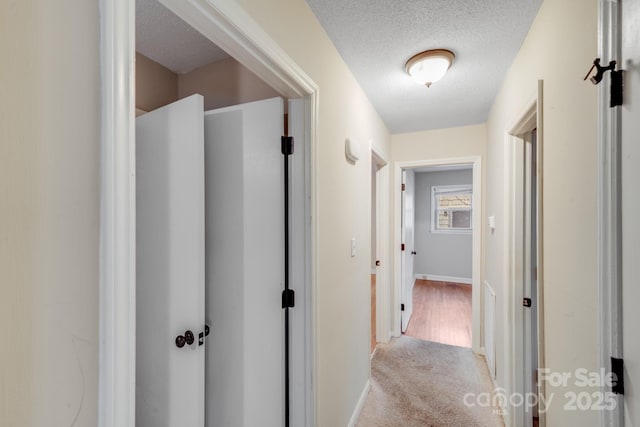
x=434 y=229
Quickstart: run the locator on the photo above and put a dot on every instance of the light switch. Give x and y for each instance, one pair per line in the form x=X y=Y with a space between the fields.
x=353 y=246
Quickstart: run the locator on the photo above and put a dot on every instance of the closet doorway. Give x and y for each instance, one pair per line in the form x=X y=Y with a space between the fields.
x=294 y=85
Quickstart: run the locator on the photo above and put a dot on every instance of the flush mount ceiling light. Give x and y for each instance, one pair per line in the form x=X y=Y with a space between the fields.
x=429 y=66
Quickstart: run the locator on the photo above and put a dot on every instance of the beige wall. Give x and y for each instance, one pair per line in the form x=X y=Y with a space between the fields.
x=558 y=49
x=439 y=144
x=224 y=83
x=49 y=212
x=156 y=85
x=344 y=208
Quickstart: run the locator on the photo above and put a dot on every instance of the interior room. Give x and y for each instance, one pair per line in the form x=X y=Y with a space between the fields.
x=442 y=262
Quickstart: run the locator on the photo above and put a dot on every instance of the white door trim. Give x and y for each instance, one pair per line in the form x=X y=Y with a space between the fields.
x=231 y=28
x=609 y=193
x=531 y=117
x=117 y=391
x=477 y=241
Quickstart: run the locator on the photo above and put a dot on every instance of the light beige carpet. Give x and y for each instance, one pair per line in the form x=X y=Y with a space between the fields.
x=422 y=383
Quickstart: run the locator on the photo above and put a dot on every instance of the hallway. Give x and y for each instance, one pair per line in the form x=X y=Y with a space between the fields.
x=417 y=383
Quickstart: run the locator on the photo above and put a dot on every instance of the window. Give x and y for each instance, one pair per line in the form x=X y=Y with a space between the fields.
x=451 y=208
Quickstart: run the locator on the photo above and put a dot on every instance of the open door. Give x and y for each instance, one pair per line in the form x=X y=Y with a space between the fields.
x=224 y=165
x=170 y=265
x=408 y=250
x=245 y=383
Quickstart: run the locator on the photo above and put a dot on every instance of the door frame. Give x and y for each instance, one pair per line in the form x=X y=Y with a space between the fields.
x=530 y=118
x=394 y=305
x=383 y=320
x=231 y=28
x=609 y=222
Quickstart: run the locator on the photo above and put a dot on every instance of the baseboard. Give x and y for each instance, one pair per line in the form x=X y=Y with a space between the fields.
x=359 y=405
x=438 y=278
x=504 y=410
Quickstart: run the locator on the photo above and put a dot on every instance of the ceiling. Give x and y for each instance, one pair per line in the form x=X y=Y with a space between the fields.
x=375 y=38
x=168 y=40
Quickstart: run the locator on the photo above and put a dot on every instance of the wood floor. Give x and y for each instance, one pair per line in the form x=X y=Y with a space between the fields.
x=441 y=313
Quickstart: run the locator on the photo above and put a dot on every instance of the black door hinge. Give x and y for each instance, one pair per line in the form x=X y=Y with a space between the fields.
x=402 y=246
x=402 y=187
x=288 y=298
x=203 y=334
x=617 y=369
x=401 y=307
x=287 y=145
x=617 y=88
x=526 y=302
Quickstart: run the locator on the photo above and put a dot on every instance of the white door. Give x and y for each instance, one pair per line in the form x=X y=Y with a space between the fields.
x=630 y=155
x=170 y=265
x=408 y=218
x=245 y=265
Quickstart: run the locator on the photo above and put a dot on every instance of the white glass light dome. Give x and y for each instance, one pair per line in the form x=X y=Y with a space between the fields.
x=429 y=66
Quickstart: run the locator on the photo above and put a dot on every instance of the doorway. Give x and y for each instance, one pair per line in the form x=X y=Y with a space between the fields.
x=404 y=280
x=245 y=327
x=526 y=266
x=526 y=260
x=374 y=254
x=379 y=330
x=226 y=25
x=437 y=223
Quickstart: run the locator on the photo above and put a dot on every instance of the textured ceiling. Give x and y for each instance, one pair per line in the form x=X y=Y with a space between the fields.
x=168 y=40
x=376 y=37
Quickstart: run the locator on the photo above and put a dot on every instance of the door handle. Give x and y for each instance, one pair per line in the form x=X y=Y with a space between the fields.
x=378 y=263
x=414 y=253
x=188 y=338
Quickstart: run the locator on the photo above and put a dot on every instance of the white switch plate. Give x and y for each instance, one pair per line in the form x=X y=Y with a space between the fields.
x=492 y=222
x=353 y=246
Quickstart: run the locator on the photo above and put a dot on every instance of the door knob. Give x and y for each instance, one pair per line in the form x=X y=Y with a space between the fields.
x=378 y=263
x=188 y=338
